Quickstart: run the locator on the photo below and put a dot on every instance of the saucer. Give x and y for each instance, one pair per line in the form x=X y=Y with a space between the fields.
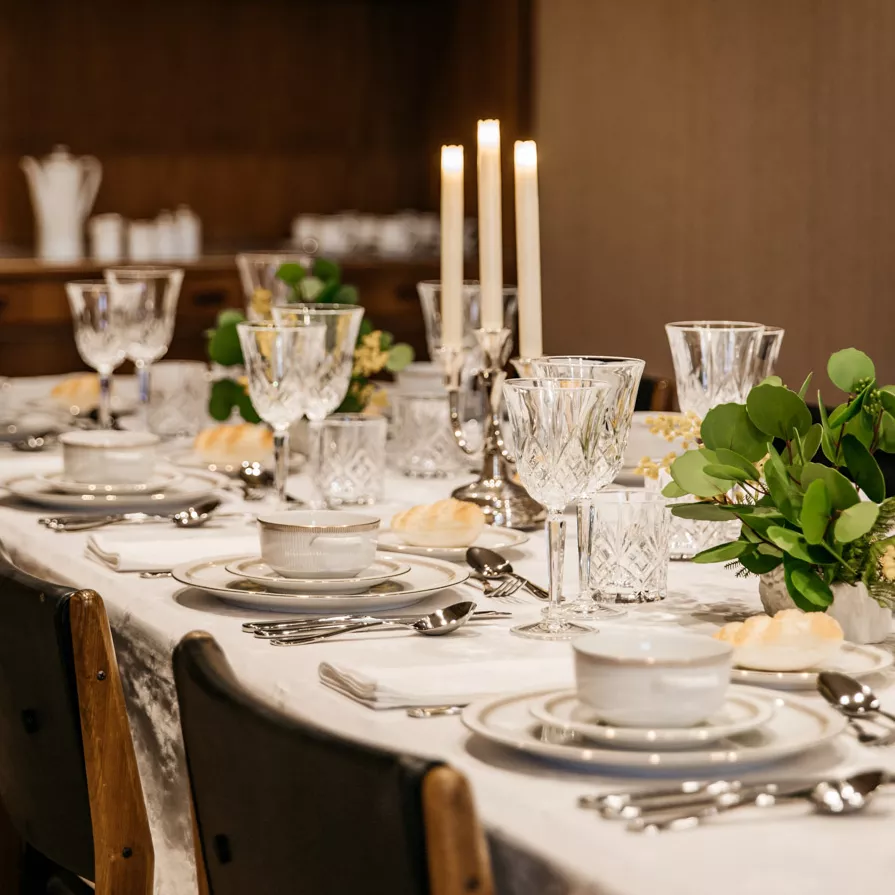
x=857 y=659
x=160 y=481
x=797 y=726
x=744 y=709
x=255 y=569
x=493 y=537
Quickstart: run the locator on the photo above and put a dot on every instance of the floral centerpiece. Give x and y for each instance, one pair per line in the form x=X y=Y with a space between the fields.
x=819 y=531
x=375 y=352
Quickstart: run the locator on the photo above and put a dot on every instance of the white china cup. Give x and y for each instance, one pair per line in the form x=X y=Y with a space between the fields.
x=649 y=677
x=108 y=457
x=318 y=543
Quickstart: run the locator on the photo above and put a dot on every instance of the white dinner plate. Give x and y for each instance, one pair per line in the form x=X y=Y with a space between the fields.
x=858 y=660
x=426 y=576
x=161 y=481
x=253 y=568
x=189 y=459
x=745 y=708
x=191 y=488
x=493 y=536
x=796 y=726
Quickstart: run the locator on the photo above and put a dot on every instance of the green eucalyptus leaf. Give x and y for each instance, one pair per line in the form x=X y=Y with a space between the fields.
x=811 y=442
x=816 y=510
x=688 y=471
x=770 y=550
x=855 y=522
x=706 y=512
x=329 y=292
x=327 y=270
x=223 y=399
x=224 y=347
x=777 y=411
x=673 y=490
x=731 y=458
x=848 y=367
x=784 y=495
x=347 y=295
x=399 y=356
x=310 y=287
x=887 y=398
x=804 y=389
x=291 y=274
x=771 y=380
x=246 y=408
x=864 y=469
x=842 y=492
x=760 y=524
x=795 y=545
x=230 y=317
x=887 y=433
x=728 y=473
x=808 y=590
x=728 y=426
x=862 y=427
x=721 y=553
x=844 y=412
x=759 y=563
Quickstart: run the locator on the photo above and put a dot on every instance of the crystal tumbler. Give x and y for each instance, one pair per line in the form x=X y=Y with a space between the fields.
x=348 y=459
x=424 y=445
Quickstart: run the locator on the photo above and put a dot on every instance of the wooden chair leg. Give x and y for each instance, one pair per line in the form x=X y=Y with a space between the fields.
x=458 y=854
x=124 y=856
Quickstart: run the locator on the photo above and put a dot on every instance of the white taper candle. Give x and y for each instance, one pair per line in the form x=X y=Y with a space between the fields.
x=451 y=246
x=528 y=248
x=490 y=238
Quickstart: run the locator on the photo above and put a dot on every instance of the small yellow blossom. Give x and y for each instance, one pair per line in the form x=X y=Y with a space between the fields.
x=261 y=301
x=369 y=358
x=887 y=563
x=377 y=403
x=650 y=469
x=683 y=427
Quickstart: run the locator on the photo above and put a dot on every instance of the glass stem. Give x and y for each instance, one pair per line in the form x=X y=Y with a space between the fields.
x=556 y=539
x=585 y=524
x=143 y=386
x=105 y=399
x=281 y=463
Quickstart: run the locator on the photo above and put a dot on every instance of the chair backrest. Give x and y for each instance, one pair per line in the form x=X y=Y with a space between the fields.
x=43 y=778
x=655 y=394
x=281 y=806
x=68 y=773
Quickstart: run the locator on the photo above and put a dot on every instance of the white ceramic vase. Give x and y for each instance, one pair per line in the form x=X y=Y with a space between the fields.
x=862 y=619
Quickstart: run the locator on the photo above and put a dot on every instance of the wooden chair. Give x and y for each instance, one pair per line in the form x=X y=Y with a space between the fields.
x=656 y=394
x=281 y=806
x=68 y=776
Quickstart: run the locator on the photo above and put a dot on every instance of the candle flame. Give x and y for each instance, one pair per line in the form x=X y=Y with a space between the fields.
x=452 y=159
x=526 y=155
x=489 y=132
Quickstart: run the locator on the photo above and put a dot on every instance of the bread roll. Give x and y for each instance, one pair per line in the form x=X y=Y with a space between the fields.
x=234 y=444
x=447 y=523
x=77 y=394
x=790 y=641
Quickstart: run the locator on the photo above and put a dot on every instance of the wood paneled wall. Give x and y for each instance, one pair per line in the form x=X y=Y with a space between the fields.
x=718 y=158
x=253 y=111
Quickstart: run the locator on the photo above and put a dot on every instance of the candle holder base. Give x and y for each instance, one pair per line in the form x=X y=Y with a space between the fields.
x=504 y=503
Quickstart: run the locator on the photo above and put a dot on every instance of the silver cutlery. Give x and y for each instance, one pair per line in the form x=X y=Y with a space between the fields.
x=434 y=711
x=846 y=796
x=497 y=588
x=257 y=483
x=155 y=574
x=286 y=624
x=191 y=517
x=849 y=696
x=490 y=564
x=436 y=624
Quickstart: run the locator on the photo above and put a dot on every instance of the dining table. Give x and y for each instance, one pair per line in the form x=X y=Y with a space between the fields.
x=541 y=841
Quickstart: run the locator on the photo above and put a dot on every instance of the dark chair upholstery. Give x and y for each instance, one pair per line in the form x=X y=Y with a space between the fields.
x=45 y=785
x=655 y=394
x=285 y=807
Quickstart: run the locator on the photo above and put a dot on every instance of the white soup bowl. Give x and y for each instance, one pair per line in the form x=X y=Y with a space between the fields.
x=108 y=457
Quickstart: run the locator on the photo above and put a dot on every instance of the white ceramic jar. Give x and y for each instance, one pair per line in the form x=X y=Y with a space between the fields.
x=649 y=677
x=318 y=543
x=108 y=457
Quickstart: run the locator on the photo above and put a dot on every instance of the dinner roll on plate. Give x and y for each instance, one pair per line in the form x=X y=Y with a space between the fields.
x=234 y=444
x=446 y=523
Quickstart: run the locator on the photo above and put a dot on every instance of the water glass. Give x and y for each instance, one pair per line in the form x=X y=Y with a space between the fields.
x=348 y=459
x=100 y=319
x=178 y=398
x=714 y=361
x=260 y=285
x=768 y=352
x=629 y=546
x=424 y=444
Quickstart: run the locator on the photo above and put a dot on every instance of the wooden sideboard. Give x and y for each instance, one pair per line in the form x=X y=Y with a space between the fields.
x=35 y=324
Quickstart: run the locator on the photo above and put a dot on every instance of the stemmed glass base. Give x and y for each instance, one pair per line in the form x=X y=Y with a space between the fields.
x=586 y=607
x=546 y=630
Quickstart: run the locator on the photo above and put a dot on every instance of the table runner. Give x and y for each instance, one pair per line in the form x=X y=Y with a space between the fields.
x=541 y=842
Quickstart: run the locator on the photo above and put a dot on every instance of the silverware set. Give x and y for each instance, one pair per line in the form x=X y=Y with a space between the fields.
x=490 y=566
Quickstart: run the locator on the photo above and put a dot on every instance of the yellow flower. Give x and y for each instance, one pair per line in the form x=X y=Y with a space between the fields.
x=261 y=302
x=676 y=426
x=369 y=358
x=887 y=563
x=377 y=403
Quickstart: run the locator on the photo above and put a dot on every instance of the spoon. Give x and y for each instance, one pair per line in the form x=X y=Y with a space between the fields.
x=258 y=481
x=34 y=444
x=851 y=697
x=191 y=517
x=490 y=564
x=846 y=796
x=442 y=621
x=196 y=517
x=434 y=711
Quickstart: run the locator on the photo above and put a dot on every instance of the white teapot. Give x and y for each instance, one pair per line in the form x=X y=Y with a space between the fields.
x=63 y=189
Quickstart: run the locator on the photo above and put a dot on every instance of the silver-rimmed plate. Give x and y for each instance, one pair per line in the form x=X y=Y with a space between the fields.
x=796 y=726
x=857 y=659
x=493 y=537
x=161 y=480
x=426 y=577
x=253 y=568
x=190 y=459
x=191 y=488
x=745 y=708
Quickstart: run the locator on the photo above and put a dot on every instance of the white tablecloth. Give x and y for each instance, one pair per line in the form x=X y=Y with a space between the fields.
x=541 y=842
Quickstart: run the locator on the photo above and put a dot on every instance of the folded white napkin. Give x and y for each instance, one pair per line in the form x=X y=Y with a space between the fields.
x=458 y=683
x=146 y=548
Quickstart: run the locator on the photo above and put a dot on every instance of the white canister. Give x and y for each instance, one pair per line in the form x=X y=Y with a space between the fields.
x=167 y=246
x=107 y=238
x=141 y=241
x=189 y=233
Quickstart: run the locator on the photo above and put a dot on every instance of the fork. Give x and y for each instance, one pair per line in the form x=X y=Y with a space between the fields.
x=505 y=590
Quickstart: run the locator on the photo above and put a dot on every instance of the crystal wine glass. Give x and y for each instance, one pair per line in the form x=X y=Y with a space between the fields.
x=333 y=375
x=100 y=334
x=151 y=297
x=280 y=363
x=622 y=376
x=557 y=426
x=260 y=285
